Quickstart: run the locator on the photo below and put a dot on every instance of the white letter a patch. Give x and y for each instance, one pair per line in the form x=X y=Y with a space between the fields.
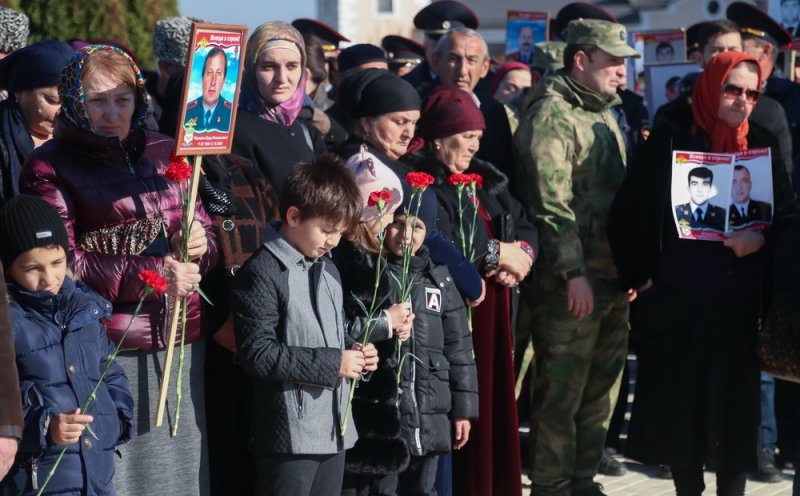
x=433 y=299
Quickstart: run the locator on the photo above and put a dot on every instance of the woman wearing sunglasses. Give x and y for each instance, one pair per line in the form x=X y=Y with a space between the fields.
x=699 y=302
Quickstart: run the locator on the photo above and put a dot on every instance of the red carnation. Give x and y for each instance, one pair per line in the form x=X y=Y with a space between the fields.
x=178 y=170
x=153 y=280
x=379 y=198
x=477 y=179
x=419 y=180
x=459 y=179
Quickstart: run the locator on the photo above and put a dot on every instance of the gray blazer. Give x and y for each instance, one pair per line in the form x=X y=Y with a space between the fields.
x=292 y=343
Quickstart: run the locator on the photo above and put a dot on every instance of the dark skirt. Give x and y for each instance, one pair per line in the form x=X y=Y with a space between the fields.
x=489 y=464
x=697 y=395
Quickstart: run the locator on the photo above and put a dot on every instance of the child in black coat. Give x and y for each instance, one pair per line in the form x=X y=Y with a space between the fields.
x=436 y=369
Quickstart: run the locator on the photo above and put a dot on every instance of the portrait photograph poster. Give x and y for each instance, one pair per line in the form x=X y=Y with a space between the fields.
x=208 y=107
x=664 y=47
x=787 y=13
x=655 y=83
x=517 y=20
x=717 y=199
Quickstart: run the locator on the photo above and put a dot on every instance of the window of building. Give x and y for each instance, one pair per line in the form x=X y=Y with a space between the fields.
x=385 y=6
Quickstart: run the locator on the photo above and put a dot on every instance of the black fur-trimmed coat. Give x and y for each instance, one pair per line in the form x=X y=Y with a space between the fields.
x=380 y=449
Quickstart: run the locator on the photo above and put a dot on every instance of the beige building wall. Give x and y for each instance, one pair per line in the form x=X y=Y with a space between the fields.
x=360 y=21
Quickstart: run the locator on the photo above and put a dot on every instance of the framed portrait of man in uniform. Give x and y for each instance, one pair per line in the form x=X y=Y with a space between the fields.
x=211 y=89
x=523 y=31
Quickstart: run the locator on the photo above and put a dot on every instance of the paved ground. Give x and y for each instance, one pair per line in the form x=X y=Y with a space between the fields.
x=640 y=481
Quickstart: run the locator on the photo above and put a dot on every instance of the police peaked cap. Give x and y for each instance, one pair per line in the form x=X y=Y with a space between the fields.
x=753 y=21
x=440 y=17
x=573 y=11
x=326 y=34
x=402 y=50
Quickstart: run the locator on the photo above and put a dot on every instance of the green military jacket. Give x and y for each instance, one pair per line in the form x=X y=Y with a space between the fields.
x=569 y=163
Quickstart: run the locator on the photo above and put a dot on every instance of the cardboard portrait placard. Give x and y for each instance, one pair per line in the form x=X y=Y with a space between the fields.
x=701 y=194
x=752 y=200
x=211 y=89
x=718 y=193
x=656 y=78
x=787 y=13
x=664 y=47
x=523 y=31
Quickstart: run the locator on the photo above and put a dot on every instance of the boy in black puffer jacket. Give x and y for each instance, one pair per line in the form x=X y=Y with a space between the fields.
x=61 y=351
x=438 y=378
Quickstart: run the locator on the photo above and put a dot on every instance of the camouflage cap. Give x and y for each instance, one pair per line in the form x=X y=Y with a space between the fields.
x=549 y=56
x=610 y=37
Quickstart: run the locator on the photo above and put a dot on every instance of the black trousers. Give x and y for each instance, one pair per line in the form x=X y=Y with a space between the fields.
x=300 y=475
x=689 y=482
x=417 y=480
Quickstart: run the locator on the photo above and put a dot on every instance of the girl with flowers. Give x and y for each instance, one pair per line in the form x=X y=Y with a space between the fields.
x=103 y=173
x=476 y=210
x=436 y=369
x=371 y=316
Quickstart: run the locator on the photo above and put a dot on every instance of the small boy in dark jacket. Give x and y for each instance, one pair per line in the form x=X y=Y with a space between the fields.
x=438 y=380
x=288 y=322
x=61 y=351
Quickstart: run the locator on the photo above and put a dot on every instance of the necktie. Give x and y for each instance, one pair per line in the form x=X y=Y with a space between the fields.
x=208 y=118
x=743 y=214
x=699 y=215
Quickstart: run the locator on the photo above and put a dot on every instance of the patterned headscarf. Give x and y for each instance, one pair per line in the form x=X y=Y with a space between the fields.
x=70 y=89
x=268 y=36
x=705 y=103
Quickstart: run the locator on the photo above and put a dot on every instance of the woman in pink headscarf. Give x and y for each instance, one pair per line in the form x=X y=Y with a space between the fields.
x=268 y=131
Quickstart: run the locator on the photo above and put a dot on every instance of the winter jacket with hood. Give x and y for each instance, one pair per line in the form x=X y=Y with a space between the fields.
x=118 y=208
x=439 y=381
x=61 y=351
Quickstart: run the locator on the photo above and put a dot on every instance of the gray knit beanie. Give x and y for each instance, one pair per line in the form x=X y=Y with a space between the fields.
x=171 y=39
x=14 y=29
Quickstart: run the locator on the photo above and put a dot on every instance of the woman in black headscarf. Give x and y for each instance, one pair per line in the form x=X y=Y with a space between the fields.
x=27 y=117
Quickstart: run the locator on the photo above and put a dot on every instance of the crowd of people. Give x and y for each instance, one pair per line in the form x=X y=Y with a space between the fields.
x=394 y=227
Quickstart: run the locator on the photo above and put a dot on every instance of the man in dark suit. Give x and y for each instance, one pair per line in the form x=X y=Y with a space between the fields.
x=525 y=48
x=698 y=212
x=744 y=209
x=211 y=112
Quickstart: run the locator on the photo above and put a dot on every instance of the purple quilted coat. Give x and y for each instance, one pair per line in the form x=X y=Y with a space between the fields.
x=111 y=195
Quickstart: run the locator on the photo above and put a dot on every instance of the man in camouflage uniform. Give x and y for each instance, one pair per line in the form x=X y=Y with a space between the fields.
x=570 y=161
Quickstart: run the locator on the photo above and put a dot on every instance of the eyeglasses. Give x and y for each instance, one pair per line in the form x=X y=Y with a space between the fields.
x=731 y=90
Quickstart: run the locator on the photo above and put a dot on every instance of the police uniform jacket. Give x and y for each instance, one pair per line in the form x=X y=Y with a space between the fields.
x=714 y=217
x=757 y=211
x=220 y=119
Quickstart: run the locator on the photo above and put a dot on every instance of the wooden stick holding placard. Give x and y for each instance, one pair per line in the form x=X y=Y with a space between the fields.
x=173 y=328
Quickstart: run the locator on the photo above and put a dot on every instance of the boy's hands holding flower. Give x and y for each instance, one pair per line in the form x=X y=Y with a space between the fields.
x=66 y=428
x=353 y=362
x=370 y=356
x=198 y=242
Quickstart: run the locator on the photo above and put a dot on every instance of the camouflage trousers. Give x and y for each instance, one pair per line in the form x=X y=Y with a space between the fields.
x=578 y=367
